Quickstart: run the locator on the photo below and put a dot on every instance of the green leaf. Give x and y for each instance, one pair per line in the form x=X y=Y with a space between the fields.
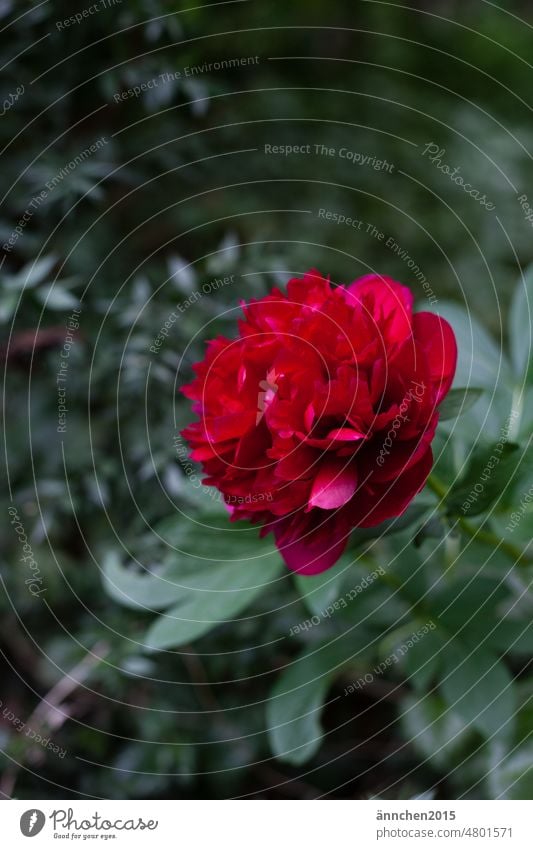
x=318 y=591
x=214 y=572
x=520 y=324
x=468 y=604
x=458 y=401
x=480 y=360
x=435 y=732
x=508 y=636
x=511 y=776
x=213 y=593
x=423 y=660
x=478 y=688
x=297 y=700
x=33 y=273
x=55 y=297
x=487 y=474
x=138 y=590
x=8 y=305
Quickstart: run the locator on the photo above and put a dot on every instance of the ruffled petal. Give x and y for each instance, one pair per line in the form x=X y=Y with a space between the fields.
x=310 y=551
x=387 y=302
x=437 y=340
x=334 y=484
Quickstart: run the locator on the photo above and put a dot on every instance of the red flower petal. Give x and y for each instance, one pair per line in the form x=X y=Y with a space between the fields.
x=387 y=302
x=437 y=340
x=308 y=551
x=334 y=485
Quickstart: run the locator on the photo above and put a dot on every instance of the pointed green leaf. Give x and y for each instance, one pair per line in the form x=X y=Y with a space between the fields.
x=478 y=688
x=511 y=775
x=480 y=360
x=33 y=273
x=138 y=590
x=211 y=595
x=297 y=701
x=458 y=401
x=520 y=324
x=317 y=591
x=488 y=472
x=435 y=732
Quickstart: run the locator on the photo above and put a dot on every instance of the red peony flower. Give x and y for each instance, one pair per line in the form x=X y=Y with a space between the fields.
x=319 y=417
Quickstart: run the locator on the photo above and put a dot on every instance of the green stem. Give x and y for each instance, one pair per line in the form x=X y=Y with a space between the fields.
x=516 y=553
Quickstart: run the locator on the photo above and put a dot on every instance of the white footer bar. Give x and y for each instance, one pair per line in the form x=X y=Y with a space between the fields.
x=262 y=824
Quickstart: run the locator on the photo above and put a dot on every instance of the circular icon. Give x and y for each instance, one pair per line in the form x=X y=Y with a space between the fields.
x=32 y=822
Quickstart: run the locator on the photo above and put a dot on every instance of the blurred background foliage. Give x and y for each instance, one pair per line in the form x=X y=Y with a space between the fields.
x=182 y=192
